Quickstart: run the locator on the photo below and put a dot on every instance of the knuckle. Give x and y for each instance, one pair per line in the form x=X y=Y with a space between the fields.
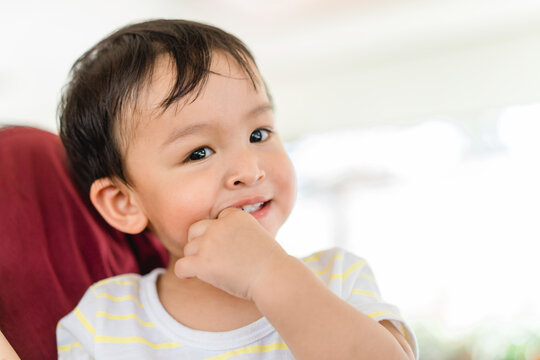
x=192 y=231
x=190 y=248
x=204 y=247
x=197 y=229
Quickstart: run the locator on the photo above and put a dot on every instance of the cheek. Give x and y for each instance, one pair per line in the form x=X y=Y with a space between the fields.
x=187 y=206
x=286 y=181
x=291 y=189
x=174 y=209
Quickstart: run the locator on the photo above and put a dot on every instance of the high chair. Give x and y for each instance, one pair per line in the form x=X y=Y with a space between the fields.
x=53 y=244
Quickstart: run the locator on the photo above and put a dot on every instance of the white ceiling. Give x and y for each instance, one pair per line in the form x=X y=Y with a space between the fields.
x=329 y=65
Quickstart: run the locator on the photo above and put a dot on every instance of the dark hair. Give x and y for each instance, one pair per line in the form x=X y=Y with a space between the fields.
x=105 y=82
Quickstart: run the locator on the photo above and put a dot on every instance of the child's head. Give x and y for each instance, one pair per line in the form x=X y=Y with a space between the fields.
x=98 y=104
x=169 y=122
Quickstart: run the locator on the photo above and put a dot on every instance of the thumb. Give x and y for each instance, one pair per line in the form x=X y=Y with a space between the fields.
x=227 y=211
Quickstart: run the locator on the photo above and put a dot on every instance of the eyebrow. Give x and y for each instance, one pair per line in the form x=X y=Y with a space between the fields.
x=260 y=109
x=190 y=130
x=183 y=132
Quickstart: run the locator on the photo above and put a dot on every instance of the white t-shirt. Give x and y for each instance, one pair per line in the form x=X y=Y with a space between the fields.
x=122 y=318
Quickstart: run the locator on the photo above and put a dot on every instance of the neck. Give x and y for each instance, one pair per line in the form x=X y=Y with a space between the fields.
x=202 y=306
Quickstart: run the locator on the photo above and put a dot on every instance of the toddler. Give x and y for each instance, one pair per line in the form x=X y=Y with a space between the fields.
x=169 y=127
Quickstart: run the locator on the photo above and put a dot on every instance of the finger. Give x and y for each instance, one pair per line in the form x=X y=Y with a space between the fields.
x=192 y=247
x=227 y=212
x=198 y=229
x=185 y=267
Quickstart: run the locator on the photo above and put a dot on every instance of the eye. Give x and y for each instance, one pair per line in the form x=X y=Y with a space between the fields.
x=259 y=135
x=200 y=154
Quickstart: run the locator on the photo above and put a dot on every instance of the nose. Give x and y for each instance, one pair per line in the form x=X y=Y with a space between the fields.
x=244 y=170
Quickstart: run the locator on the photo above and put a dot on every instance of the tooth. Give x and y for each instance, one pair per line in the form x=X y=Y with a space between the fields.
x=252 y=208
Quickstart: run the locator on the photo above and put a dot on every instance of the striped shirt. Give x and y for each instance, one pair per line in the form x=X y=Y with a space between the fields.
x=122 y=318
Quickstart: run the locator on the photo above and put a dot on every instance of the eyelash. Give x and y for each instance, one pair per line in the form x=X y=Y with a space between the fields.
x=269 y=132
x=189 y=159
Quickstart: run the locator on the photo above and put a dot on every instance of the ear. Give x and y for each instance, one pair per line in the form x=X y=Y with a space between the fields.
x=117 y=205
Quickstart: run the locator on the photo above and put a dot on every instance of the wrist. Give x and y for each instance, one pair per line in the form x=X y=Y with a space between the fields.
x=270 y=282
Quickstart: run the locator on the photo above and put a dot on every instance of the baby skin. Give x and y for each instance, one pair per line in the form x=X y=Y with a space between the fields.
x=210 y=178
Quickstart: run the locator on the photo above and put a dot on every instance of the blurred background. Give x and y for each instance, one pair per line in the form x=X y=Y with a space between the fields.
x=413 y=126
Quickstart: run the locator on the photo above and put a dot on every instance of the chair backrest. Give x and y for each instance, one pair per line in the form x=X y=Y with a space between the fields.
x=53 y=244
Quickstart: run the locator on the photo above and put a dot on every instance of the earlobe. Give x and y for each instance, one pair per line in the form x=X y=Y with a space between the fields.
x=117 y=206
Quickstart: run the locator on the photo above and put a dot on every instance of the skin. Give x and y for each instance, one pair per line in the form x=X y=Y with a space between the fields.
x=6 y=351
x=190 y=168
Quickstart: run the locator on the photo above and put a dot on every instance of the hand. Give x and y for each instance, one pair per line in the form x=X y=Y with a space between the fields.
x=232 y=253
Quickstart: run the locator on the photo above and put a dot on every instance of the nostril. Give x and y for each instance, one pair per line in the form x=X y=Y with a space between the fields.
x=237 y=182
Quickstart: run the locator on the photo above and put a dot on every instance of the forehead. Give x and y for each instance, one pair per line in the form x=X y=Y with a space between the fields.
x=224 y=72
x=148 y=106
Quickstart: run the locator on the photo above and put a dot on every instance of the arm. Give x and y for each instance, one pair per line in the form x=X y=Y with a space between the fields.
x=234 y=253
x=316 y=323
x=6 y=351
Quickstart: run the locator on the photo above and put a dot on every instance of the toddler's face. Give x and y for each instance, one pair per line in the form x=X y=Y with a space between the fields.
x=198 y=158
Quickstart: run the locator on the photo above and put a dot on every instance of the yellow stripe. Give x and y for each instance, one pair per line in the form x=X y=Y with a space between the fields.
x=324 y=271
x=314 y=257
x=403 y=330
x=357 y=265
x=134 y=339
x=366 y=276
x=69 y=347
x=121 y=298
x=380 y=313
x=114 y=281
x=364 y=292
x=406 y=334
x=251 y=350
x=124 y=317
x=84 y=321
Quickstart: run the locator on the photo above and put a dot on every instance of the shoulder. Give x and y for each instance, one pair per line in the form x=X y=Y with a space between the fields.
x=113 y=303
x=126 y=284
x=334 y=259
x=340 y=269
x=104 y=294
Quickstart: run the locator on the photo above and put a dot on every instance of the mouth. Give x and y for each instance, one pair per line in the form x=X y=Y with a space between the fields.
x=258 y=208
x=252 y=208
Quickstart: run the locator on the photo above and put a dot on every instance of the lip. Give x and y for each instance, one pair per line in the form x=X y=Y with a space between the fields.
x=262 y=211
x=254 y=200
x=249 y=201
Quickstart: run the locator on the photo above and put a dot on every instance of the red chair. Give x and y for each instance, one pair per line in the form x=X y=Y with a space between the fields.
x=53 y=244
